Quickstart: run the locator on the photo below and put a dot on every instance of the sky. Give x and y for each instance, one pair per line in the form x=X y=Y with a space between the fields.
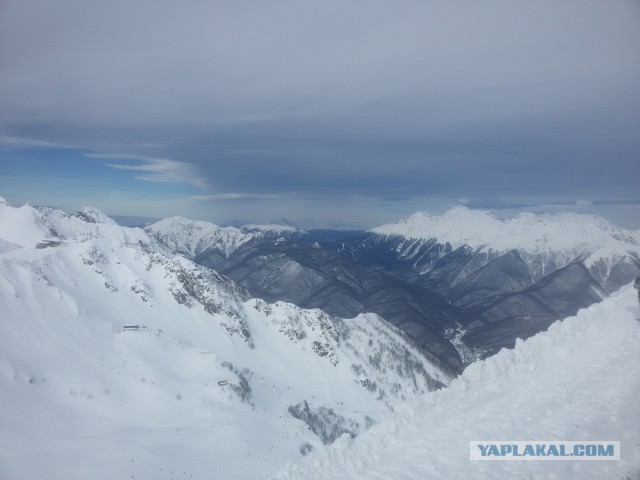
x=334 y=113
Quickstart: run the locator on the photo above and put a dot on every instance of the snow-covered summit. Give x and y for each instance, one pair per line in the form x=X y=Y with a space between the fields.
x=93 y=215
x=23 y=226
x=192 y=237
x=28 y=226
x=573 y=233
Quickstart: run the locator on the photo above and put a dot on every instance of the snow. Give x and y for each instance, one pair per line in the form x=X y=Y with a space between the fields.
x=93 y=215
x=203 y=387
x=201 y=381
x=571 y=233
x=192 y=237
x=580 y=380
x=22 y=226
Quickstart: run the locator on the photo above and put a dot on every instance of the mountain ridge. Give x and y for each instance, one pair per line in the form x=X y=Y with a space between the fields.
x=482 y=230
x=106 y=331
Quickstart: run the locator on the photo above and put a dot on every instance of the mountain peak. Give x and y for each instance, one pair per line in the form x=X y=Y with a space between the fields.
x=534 y=233
x=192 y=237
x=93 y=215
x=462 y=211
x=457 y=213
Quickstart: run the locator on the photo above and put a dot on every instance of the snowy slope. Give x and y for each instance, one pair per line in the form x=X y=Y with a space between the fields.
x=545 y=242
x=580 y=380
x=192 y=237
x=24 y=226
x=119 y=361
x=526 y=231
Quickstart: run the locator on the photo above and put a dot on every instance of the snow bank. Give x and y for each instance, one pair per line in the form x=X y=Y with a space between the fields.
x=580 y=380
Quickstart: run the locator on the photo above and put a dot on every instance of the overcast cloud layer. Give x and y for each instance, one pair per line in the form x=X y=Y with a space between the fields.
x=356 y=112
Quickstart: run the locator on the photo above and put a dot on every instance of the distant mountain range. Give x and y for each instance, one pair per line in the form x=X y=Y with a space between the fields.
x=544 y=242
x=463 y=285
x=262 y=339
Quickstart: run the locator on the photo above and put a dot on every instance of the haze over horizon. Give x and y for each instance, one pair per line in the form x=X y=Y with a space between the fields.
x=341 y=113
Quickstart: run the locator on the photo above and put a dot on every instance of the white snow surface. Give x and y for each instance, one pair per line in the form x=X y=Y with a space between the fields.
x=580 y=380
x=119 y=361
x=192 y=237
x=23 y=226
x=569 y=233
x=202 y=388
x=93 y=215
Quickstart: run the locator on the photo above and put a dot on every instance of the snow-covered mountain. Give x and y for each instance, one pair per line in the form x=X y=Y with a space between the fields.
x=580 y=380
x=545 y=242
x=119 y=360
x=292 y=266
x=512 y=277
x=563 y=232
x=466 y=275
x=192 y=237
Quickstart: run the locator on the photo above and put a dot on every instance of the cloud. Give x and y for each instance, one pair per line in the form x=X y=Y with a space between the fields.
x=429 y=64
x=494 y=102
x=237 y=197
x=8 y=141
x=155 y=169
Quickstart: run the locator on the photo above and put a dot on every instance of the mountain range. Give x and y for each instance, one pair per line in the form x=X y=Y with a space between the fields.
x=463 y=285
x=107 y=336
x=186 y=348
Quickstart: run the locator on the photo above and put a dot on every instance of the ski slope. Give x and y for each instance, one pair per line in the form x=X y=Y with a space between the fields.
x=580 y=380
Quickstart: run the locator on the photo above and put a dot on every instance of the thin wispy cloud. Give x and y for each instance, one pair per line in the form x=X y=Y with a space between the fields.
x=8 y=141
x=155 y=169
x=237 y=196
